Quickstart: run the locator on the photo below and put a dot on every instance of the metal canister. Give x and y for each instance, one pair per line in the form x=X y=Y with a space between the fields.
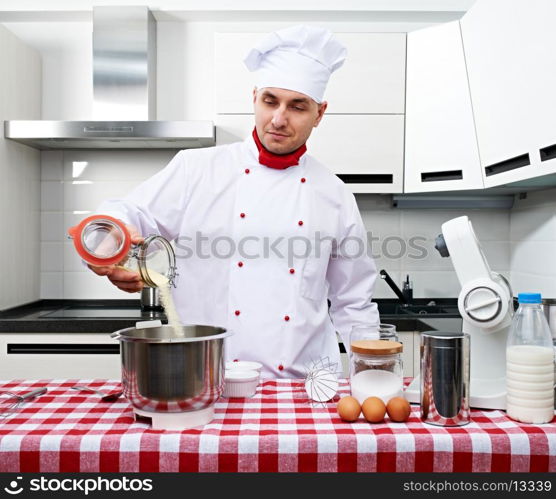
x=445 y=378
x=150 y=299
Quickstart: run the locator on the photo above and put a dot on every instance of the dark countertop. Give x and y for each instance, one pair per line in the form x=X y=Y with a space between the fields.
x=75 y=316
x=106 y=316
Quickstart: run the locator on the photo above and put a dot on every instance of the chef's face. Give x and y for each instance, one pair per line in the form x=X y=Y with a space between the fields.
x=284 y=119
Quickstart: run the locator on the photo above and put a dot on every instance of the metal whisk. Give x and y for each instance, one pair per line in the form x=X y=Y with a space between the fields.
x=321 y=380
x=10 y=402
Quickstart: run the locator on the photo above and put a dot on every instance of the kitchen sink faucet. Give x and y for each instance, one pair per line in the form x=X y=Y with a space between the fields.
x=405 y=296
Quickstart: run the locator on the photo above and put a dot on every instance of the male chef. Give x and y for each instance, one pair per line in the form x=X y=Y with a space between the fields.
x=265 y=234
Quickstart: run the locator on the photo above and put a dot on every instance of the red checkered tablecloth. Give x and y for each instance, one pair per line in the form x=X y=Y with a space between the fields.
x=276 y=430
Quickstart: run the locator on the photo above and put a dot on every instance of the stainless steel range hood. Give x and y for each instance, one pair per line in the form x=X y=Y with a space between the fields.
x=111 y=134
x=124 y=95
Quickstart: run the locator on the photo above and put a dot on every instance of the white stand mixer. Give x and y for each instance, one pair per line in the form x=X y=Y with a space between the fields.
x=485 y=304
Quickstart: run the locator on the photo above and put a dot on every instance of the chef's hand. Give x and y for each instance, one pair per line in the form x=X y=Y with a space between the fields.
x=122 y=278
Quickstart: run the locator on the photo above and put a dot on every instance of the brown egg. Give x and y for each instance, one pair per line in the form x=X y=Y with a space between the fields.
x=398 y=409
x=373 y=409
x=348 y=409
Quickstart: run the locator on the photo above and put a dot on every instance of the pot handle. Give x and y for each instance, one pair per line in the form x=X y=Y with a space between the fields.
x=115 y=335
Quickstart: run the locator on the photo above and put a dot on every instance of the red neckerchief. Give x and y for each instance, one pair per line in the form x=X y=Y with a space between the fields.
x=278 y=161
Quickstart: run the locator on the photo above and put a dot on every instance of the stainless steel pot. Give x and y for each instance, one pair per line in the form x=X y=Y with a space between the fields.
x=171 y=370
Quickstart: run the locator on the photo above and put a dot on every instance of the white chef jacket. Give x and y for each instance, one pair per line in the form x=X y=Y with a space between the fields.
x=233 y=220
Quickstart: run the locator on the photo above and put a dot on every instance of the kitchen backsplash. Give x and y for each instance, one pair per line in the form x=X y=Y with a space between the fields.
x=533 y=243
x=73 y=183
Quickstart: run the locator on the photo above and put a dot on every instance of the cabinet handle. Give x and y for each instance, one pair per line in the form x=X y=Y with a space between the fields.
x=507 y=165
x=63 y=348
x=548 y=152
x=441 y=176
x=366 y=178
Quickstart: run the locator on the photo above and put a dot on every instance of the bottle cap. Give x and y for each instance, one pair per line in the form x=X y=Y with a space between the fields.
x=529 y=298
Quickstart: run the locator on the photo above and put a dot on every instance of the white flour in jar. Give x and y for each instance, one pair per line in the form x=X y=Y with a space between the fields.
x=376 y=383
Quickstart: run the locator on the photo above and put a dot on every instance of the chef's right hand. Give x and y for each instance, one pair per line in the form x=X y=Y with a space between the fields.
x=122 y=278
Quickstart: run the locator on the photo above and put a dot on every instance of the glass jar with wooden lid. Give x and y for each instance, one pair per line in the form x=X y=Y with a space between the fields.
x=376 y=369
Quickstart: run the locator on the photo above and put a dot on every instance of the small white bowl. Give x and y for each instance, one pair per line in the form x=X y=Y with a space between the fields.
x=244 y=365
x=240 y=383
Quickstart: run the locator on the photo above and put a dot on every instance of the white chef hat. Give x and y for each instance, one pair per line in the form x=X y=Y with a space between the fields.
x=300 y=58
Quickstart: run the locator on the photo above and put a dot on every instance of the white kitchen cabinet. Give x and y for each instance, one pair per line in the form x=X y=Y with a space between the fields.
x=55 y=356
x=441 y=152
x=371 y=81
x=366 y=151
x=509 y=48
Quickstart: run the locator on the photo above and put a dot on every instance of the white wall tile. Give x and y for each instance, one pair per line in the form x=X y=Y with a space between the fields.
x=534 y=257
x=523 y=282
x=383 y=229
x=490 y=225
x=533 y=243
x=86 y=285
x=52 y=227
x=382 y=290
x=71 y=218
x=52 y=285
x=113 y=166
x=88 y=196
x=52 y=257
x=427 y=223
x=422 y=255
x=498 y=255
x=534 y=224
x=388 y=264
x=72 y=262
x=52 y=165
x=435 y=284
x=52 y=195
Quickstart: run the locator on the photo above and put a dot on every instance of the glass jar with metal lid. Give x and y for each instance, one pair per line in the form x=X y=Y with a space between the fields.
x=376 y=369
x=102 y=240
